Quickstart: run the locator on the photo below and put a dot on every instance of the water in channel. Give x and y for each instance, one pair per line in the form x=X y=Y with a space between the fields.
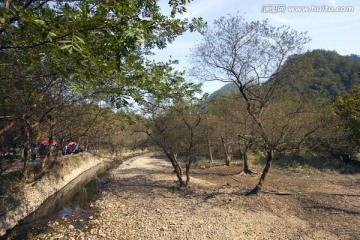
x=73 y=197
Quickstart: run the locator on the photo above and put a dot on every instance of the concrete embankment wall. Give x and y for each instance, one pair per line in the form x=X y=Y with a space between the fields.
x=37 y=193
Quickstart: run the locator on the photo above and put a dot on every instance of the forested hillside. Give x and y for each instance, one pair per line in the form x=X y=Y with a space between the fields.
x=328 y=73
x=325 y=73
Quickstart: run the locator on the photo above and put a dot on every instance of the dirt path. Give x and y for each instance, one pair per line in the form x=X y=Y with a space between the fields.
x=138 y=201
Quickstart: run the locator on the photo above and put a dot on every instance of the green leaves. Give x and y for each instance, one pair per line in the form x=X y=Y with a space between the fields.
x=39 y=22
x=97 y=49
x=50 y=36
x=75 y=44
x=348 y=108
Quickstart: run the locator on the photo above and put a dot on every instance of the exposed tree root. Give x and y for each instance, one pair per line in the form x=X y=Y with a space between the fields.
x=244 y=173
x=281 y=192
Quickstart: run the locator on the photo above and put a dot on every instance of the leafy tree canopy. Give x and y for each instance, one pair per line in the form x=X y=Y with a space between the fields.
x=348 y=108
x=99 y=47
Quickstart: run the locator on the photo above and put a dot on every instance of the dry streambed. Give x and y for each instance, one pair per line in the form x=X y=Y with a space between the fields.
x=138 y=201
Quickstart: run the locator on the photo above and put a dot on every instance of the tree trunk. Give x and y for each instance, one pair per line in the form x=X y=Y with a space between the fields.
x=244 y=156
x=208 y=140
x=229 y=156
x=176 y=167
x=227 y=149
x=7 y=127
x=51 y=140
x=188 y=165
x=52 y=148
x=210 y=151
x=246 y=163
x=257 y=189
x=43 y=154
x=190 y=148
x=346 y=158
x=177 y=163
x=26 y=151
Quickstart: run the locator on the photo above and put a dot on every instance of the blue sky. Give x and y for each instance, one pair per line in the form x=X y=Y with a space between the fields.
x=339 y=31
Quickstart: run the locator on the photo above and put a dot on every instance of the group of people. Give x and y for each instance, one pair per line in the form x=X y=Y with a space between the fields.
x=69 y=148
x=7 y=156
x=10 y=153
x=73 y=147
x=42 y=149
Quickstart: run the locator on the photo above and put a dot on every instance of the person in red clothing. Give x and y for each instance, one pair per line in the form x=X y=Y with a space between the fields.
x=69 y=149
x=82 y=148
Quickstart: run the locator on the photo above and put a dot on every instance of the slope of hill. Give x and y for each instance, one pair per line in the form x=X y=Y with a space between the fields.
x=227 y=89
x=329 y=74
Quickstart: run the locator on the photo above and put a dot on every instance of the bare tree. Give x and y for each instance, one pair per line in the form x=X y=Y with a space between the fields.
x=174 y=128
x=236 y=133
x=159 y=125
x=192 y=119
x=251 y=55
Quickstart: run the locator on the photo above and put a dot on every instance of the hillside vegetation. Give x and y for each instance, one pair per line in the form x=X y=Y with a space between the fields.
x=327 y=74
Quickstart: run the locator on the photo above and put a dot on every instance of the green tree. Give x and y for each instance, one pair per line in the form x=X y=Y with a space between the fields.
x=348 y=108
x=57 y=53
x=97 y=46
x=173 y=125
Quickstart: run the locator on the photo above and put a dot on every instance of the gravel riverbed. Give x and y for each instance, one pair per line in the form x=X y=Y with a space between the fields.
x=138 y=200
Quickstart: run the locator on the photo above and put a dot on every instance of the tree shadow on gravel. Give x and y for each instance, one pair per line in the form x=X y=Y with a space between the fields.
x=160 y=169
x=159 y=156
x=136 y=185
x=333 y=209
